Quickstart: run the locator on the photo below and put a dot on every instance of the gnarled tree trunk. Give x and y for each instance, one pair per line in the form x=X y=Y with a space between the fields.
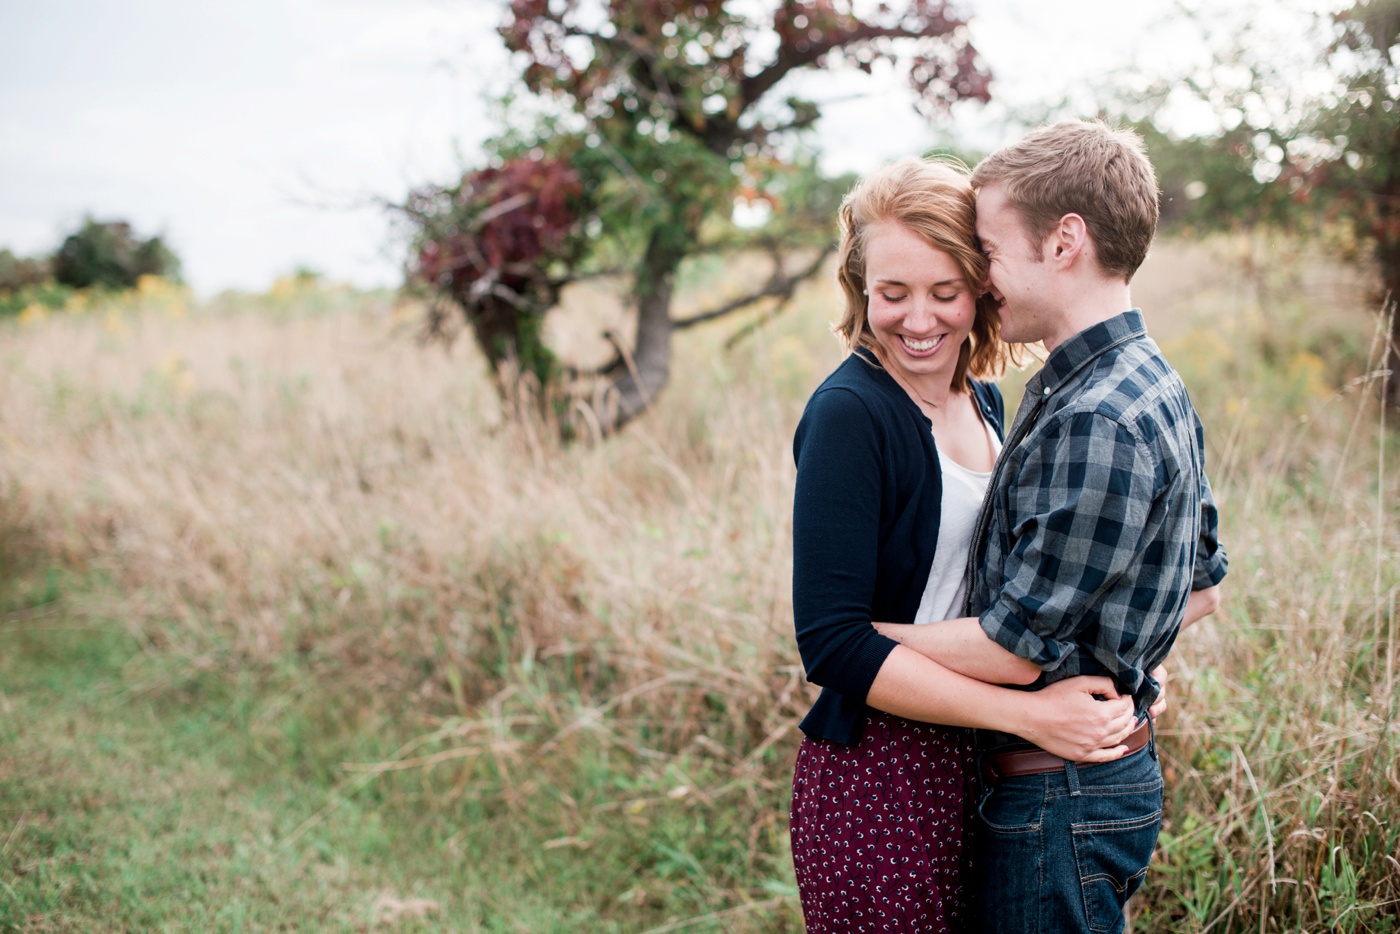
x=644 y=371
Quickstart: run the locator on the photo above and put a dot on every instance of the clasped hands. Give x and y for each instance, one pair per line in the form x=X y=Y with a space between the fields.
x=1084 y=718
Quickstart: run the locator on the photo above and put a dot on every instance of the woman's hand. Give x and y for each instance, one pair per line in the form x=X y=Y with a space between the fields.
x=1201 y=603
x=1159 y=706
x=1068 y=719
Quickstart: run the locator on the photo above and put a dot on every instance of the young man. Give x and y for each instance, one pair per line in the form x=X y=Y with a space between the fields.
x=1097 y=539
x=1098 y=525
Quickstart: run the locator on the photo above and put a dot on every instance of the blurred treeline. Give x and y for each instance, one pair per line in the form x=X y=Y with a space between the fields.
x=106 y=255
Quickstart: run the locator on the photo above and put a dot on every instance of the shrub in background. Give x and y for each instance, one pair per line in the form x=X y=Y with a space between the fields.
x=100 y=254
x=28 y=281
x=18 y=272
x=110 y=254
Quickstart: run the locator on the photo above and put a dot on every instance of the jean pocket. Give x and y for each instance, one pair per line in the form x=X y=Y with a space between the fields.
x=1112 y=858
x=1008 y=809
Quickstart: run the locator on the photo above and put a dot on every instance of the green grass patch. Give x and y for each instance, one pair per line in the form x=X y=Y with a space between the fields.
x=139 y=792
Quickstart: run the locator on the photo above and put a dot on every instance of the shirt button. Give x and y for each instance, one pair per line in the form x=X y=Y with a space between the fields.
x=1047 y=391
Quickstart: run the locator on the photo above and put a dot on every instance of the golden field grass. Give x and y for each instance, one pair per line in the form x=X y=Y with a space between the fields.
x=570 y=668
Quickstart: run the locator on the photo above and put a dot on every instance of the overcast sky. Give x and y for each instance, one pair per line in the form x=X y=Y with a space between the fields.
x=258 y=136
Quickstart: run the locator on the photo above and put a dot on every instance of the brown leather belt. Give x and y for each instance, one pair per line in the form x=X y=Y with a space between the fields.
x=1034 y=760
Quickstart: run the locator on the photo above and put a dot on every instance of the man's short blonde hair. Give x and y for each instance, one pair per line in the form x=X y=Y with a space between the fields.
x=934 y=200
x=1087 y=168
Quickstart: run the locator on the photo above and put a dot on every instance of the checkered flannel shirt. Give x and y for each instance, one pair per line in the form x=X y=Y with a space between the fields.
x=1099 y=519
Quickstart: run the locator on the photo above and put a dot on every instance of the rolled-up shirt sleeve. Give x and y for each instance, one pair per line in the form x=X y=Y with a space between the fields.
x=1079 y=506
x=835 y=543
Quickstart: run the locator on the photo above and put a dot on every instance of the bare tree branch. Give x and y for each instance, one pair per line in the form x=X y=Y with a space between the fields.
x=749 y=328
x=801 y=123
x=780 y=286
x=790 y=58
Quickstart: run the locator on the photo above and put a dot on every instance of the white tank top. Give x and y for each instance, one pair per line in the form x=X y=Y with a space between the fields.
x=963 y=491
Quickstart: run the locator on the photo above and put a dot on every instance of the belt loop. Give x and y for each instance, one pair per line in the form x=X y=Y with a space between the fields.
x=1151 y=737
x=1072 y=776
x=987 y=773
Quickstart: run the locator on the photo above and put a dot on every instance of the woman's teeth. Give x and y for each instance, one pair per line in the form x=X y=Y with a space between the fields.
x=921 y=346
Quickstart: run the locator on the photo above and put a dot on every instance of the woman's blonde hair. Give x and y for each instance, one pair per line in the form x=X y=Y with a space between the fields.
x=934 y=199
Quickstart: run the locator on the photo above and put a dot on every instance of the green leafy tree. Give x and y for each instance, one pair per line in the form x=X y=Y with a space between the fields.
x=651 y=118
x=1355 y=168
x=109 y=254
x=1296 y=140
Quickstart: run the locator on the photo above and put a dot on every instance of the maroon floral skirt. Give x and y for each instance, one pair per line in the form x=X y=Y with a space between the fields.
x=878 y=829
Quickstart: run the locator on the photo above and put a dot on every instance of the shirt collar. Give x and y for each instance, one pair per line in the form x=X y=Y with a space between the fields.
x=1081 y=349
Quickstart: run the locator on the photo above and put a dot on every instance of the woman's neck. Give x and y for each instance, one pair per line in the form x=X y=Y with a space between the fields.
x=933 y=392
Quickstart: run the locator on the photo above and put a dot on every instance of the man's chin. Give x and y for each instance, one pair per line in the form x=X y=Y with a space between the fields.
x=1008 y=326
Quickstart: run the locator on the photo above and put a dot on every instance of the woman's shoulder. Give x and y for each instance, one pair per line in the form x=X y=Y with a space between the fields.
x=858 y=369
x=839 y=400
x=860 y=375
x=849 y=403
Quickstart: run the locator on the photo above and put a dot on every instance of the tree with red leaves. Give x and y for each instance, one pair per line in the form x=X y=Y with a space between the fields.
x=658 y=113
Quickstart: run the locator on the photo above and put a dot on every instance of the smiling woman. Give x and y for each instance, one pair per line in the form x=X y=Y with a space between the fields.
x=921 y=309
x=894 y=452
x=914 y=281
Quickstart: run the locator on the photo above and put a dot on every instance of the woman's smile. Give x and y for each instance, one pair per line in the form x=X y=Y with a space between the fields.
x=922 y=348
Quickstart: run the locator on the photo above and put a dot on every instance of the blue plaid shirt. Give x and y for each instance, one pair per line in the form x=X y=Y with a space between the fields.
x=1099 y=520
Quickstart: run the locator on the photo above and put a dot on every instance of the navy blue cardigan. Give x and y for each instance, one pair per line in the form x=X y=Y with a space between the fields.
x=864 y=529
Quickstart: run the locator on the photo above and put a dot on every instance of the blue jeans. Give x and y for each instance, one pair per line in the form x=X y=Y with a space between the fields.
x=1063 y=851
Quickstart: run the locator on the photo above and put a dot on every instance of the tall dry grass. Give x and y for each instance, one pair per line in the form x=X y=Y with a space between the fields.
x=318 y=485
x=1281 y=758
x=296 y=482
